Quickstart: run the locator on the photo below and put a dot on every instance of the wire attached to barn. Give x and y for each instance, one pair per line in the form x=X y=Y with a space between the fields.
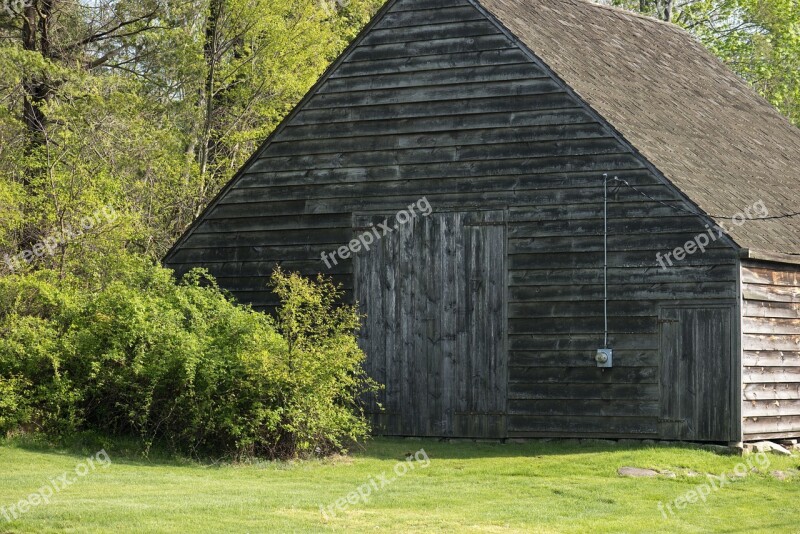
x=690 y=212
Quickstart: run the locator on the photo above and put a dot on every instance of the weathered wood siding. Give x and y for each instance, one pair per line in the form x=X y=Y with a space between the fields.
x=697 y=349
x=771 y=355
x=434 y=299
x=436 y=101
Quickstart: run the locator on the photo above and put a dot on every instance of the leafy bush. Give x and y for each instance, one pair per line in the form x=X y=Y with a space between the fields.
x=181 y=365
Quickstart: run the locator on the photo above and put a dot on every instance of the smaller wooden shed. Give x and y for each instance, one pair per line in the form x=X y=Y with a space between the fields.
x=510 y=119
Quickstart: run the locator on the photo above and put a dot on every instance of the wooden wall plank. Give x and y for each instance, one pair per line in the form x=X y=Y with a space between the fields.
x=413 y=65
x=567 y=408
x=433 y=77
x=640 y=426
x=780 y=391
x=771 y=408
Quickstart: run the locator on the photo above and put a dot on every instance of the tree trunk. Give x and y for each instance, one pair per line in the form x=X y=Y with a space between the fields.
x=665 y=10
x=35 y=90
x=210 y=51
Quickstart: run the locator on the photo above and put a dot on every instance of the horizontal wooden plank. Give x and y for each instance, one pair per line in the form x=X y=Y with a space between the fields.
x=205 y=256
x=770 y=436
x=581 y=342
x=430 y=62
x=769 y=276
x=665 y=291
x=772 y=391
x=489 y=136
x=767 y=375
x=627 y=259
x=594 y=308
x=433 y=93
x=771 y=293
x=431 y=125
x=221 y=252
x=569 y=358
x=484 y=176
x=446 y=193
x=424 y=32
x=620 y=208
x=455 y=45
x=761 y=425
x=259 y=223
x=762 y=325
x=416 y=5
x=774 y=358
x=267 y=209
x=581 y=375
x=755 y=308
x=771 y=408
x=624 y=275
x=644 y=392
x=416 y=17
x=440 y=108
x=392 y=204
x=584 y=408
x=661 y=242
x=771 y=342
x=280 y=237
x=430 y=78
x=568 y=148
x=616 y=425
x=582 y=325
x=617 y=225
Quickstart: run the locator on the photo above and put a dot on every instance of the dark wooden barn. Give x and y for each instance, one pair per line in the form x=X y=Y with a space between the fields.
x=505 y=125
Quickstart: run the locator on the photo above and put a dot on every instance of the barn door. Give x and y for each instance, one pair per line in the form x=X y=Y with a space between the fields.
x=696 y=346
x=433 y=292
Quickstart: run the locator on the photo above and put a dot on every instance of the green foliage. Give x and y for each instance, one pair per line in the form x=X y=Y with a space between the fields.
x=149 y=107
x=758 y=39
x=14 y=410
x=322 y=374
x=180 y=364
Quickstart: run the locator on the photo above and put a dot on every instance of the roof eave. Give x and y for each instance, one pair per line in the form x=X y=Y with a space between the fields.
x=764 y=255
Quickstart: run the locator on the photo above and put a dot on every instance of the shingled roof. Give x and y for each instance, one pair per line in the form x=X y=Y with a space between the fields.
x=701 y=126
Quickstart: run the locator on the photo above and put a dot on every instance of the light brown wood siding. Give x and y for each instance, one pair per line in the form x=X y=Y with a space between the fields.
x=771 y=350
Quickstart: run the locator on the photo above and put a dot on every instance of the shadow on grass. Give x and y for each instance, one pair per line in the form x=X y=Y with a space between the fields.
x=121 y=450
x=382 y=448
x=129 y=451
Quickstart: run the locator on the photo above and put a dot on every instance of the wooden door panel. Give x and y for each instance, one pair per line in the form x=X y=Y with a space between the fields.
x=696 y=346
x=434 y=293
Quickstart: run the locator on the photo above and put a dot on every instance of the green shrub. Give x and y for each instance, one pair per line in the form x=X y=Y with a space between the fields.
x=181 y=365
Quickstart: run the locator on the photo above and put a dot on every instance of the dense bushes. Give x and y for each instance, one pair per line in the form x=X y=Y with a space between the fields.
x=180 y=365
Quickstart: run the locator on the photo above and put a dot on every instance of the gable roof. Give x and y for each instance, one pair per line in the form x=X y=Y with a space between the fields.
x=698 y=123
x=693 y=120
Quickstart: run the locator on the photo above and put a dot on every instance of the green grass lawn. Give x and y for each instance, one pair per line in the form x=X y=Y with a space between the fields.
x=465 y=487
